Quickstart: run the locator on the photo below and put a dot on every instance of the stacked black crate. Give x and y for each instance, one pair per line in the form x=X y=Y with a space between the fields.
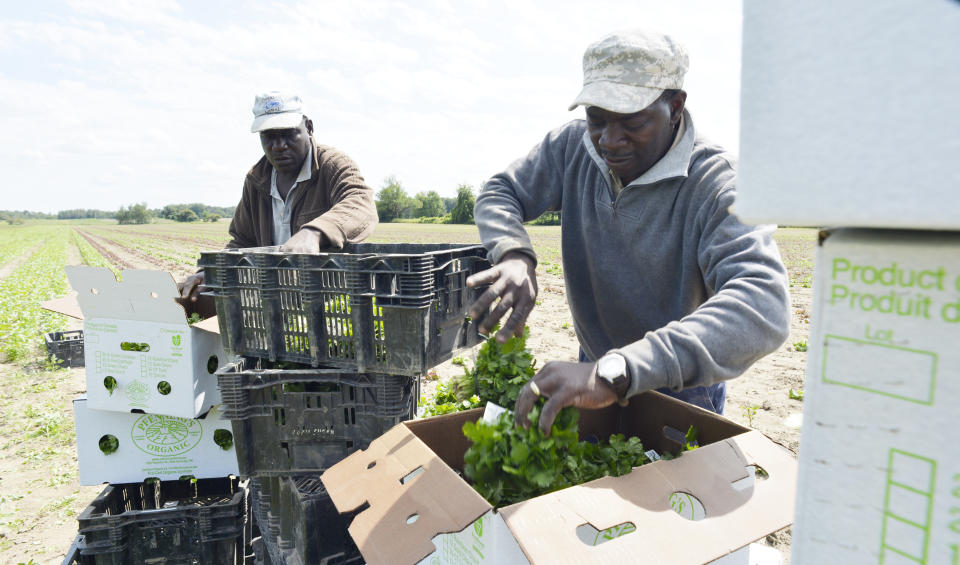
x=333 y=348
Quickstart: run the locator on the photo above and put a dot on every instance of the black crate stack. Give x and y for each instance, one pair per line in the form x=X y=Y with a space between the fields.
x=333 y=346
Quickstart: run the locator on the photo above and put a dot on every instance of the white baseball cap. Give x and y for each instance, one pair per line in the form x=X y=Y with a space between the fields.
x=276 y=110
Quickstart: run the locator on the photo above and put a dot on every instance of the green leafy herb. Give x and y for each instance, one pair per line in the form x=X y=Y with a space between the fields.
x=499 y=374
x=502 y=370
x=444 y=401
x=507 y=464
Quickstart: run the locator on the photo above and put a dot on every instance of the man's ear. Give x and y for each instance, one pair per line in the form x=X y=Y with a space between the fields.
x=309 y=124
x=676 y=106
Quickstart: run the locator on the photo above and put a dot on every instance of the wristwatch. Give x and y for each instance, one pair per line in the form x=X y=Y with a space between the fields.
x=612 y=368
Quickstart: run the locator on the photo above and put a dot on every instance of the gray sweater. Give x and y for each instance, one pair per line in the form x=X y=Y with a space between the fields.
x=663 y=274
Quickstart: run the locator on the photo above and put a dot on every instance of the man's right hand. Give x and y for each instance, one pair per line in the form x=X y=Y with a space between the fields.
x=190 y=287
x=514 y=281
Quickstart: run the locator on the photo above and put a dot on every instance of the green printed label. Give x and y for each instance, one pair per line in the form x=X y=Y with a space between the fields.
x=138 y=393
x=907 y=508
x=114 y=362
x=891 y=288
x=158 y=367
x=165 y=436
x=176 y=340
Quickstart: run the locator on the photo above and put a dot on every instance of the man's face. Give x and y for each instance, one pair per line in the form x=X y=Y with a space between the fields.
x=632 y=143
x=287 y=148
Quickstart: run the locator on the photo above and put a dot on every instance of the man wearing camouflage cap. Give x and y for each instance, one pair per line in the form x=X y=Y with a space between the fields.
x=301 y=195
x=668 y=290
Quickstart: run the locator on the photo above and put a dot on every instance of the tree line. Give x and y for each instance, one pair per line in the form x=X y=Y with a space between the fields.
x=393 y=203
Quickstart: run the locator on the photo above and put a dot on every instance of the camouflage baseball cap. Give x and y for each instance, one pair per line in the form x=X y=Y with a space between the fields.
x=626 y=71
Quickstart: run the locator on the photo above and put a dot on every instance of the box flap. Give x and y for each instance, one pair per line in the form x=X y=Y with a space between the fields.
x=143 y=295
x=546 y=526
x=408 y=495
x=67 y=305
x=211 y=325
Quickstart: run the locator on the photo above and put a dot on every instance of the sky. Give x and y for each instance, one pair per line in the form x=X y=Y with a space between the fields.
x=110 y=103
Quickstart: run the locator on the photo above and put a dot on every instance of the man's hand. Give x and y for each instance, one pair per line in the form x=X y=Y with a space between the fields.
x=514 y=281
x=563 y=384
x=304 y=241
x=190 y=287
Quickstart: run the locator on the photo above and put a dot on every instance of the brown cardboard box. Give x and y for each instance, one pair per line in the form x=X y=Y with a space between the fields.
x=413 y=504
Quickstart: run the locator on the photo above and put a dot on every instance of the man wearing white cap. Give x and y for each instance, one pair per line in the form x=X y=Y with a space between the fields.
x=668 y=289
x=301 y=195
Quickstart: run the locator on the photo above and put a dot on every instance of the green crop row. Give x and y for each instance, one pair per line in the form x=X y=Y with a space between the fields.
x=16 y=240
x=41 y=277
x=91 y=256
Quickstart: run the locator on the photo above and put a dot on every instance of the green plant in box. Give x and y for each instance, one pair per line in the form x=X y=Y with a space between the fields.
x=507 y=464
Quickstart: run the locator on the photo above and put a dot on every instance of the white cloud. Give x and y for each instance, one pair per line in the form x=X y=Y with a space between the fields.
x=129 y=101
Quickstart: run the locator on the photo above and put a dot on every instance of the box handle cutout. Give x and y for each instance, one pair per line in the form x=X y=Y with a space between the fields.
x=110 y=384
x=133 y=346
x=371 y=464
x=223 y=438
x=687 y=506
x=109 y=444
x=412 y=475
x=212 y=364
x=163 y=387
x=593 y=537
x=412 y=518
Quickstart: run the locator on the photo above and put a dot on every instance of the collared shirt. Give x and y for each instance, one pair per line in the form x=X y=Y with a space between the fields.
x=281 y=211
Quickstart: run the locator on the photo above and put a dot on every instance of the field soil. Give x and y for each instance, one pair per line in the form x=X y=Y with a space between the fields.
x=40 y=496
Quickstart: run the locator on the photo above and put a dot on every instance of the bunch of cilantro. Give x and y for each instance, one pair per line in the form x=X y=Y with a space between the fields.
x=500 y=371
x=507 y=464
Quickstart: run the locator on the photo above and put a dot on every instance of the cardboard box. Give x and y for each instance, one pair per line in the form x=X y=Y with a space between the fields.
x=414 y=506
x=879 y=467
x=849 y=114
x=120 y=447
x=140 y=352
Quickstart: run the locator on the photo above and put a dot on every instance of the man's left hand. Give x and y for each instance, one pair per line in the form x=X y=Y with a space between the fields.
x=563 y=383
x=304 y=241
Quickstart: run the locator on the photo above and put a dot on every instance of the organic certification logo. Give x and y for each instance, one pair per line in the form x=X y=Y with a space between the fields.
x=165 y=435
x=176 y=340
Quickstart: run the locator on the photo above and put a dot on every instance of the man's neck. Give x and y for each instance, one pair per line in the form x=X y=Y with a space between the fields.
x=285 y=181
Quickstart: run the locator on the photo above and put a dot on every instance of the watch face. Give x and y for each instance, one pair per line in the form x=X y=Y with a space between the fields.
x=612 y=366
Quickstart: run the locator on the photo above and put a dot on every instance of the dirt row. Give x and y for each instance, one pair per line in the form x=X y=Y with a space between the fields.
x=206 y=242
x=128 y=258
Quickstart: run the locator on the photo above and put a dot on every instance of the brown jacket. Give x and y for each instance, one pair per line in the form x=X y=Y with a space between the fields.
x=335 y=201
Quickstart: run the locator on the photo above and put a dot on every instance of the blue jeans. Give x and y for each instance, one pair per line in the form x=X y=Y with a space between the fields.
x=710 y=397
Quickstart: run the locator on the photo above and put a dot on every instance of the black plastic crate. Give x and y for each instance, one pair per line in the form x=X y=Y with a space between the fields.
x=66 y=347
x=299 y=523
x=388 y=308
x=171 y=522
x=73 y=556
x=302 y=420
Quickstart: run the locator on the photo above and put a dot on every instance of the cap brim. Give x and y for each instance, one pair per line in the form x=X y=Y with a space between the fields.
x=616 y=97
x=282 y=120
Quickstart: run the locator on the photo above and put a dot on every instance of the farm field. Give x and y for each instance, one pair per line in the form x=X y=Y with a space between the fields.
x=40 y=496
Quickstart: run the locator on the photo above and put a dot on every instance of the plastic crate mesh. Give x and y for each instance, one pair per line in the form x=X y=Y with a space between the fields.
x=390 y=308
